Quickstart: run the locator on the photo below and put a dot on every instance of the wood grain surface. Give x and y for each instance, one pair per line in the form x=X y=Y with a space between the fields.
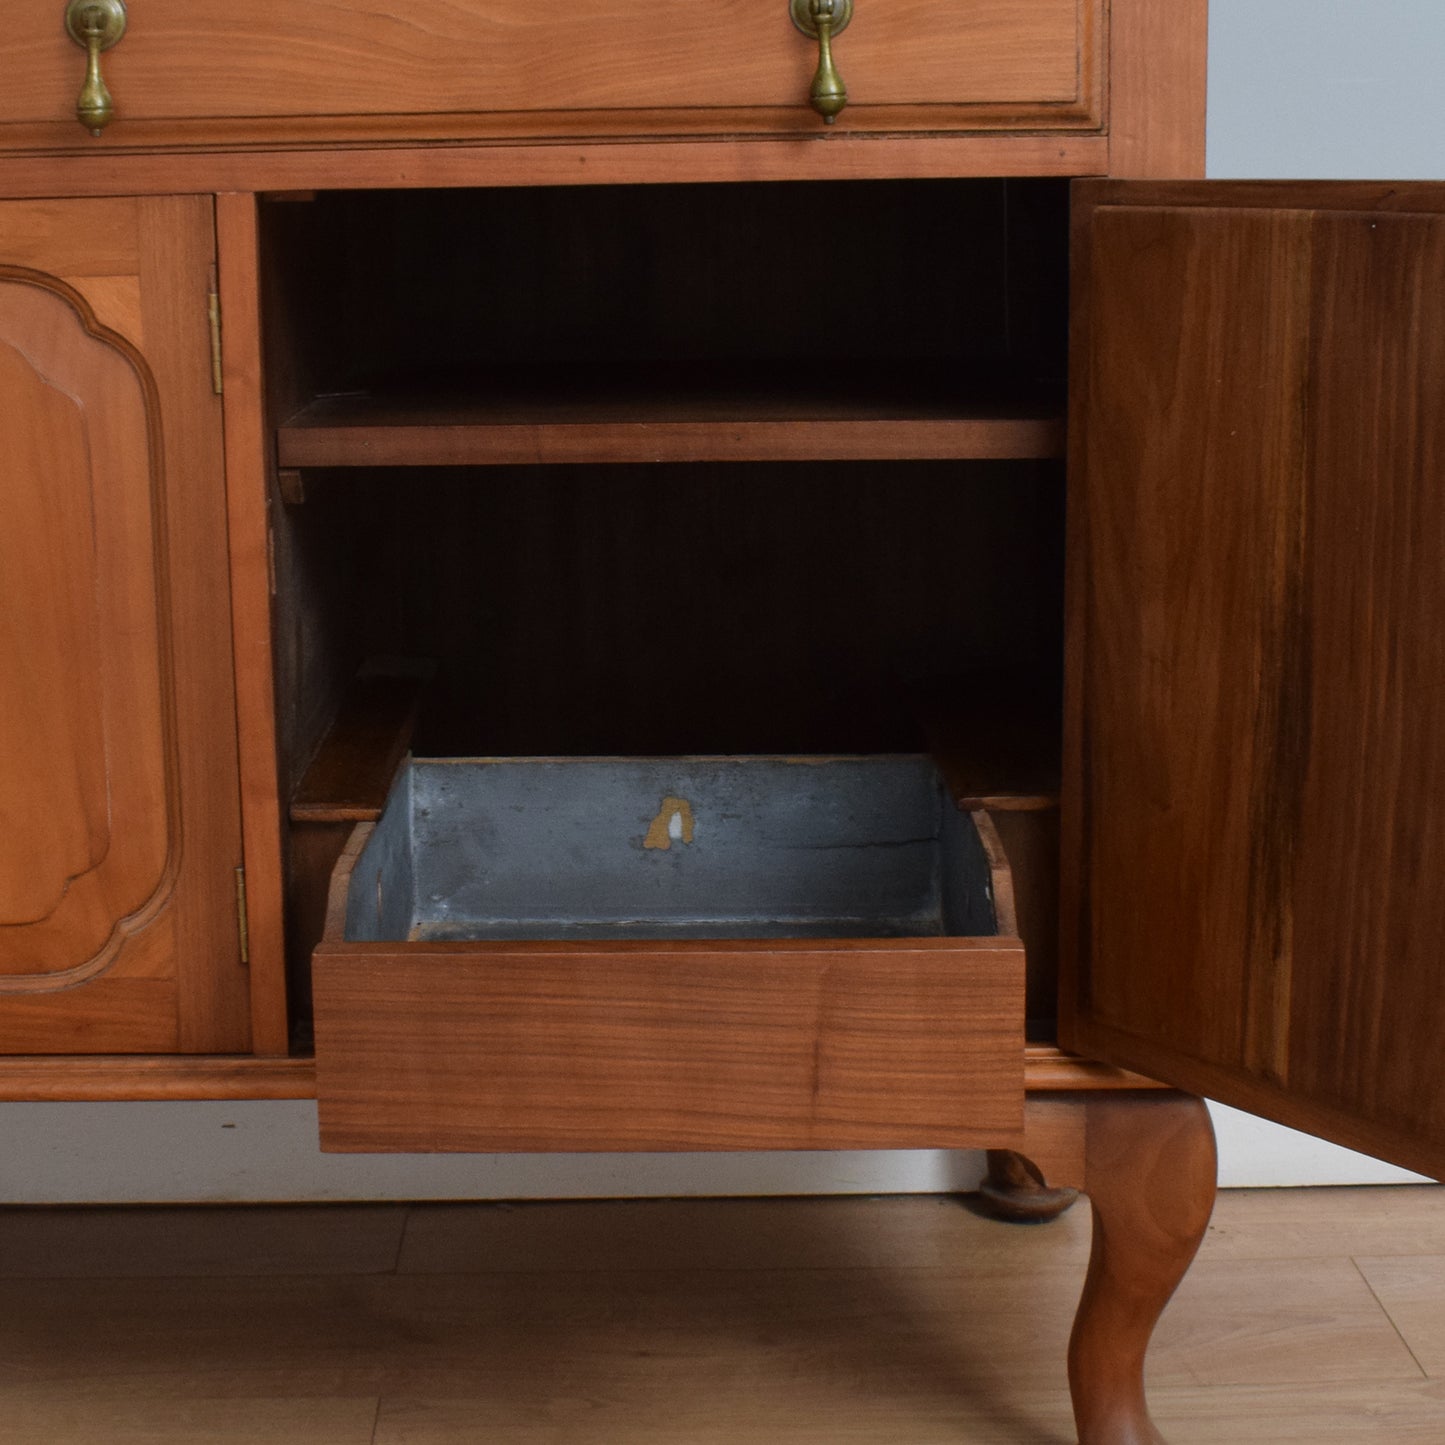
x=1256 y=590
x=545 y=1047
x=619 y=67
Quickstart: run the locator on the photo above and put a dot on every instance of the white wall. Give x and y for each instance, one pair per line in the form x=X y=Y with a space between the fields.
x=1298 y=88
x=1347 y=89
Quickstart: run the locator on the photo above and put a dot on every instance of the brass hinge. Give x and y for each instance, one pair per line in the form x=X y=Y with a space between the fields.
x=243 y=926
x=213 y=313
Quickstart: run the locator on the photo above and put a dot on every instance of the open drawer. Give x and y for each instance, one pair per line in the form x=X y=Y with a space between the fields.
x=686 y=953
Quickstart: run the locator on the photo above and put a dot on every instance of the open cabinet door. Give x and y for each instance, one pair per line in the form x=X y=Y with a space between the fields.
x=1254 y=896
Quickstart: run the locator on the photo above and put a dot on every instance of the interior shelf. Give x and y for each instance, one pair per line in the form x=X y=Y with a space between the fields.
x=678 y=413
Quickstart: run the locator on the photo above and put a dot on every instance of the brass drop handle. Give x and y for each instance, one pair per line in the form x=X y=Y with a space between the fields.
x=823 y=19
x=95 y=25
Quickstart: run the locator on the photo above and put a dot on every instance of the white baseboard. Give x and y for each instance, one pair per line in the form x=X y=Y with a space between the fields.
x=266 y=1152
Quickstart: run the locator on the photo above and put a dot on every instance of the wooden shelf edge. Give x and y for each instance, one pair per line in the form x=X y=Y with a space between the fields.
x=678 y=411
x=154 y=1078
x=563 y=442
x=1049 y=1070
x=333 y=813
x=969 y=802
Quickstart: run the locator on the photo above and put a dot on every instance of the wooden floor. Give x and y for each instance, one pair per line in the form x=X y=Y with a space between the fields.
x=1311 y=1316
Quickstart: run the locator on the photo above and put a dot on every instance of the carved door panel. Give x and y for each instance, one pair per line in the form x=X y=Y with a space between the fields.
x=1256 y=818
x=119 y=812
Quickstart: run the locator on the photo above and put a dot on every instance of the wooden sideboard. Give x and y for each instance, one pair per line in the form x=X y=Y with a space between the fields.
x=208 y=256
x=568 y=387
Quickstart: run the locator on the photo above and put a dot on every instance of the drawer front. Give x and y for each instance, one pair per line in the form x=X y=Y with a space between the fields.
x=375 y=70
x=710 y=1046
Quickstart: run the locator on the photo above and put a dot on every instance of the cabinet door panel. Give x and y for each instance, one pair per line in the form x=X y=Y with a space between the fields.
x=1257 y=734
x=84 y=766
x=117 y=761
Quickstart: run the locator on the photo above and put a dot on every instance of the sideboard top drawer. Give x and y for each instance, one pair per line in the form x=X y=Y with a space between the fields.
x=279 y=71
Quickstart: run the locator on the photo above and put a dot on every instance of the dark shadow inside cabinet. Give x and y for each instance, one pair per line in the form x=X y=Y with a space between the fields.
x=661 y=470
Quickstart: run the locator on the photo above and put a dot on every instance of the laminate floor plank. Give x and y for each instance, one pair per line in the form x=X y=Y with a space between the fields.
x=1234 y=1323
x=816 y=1322
x=1301 y=1223
x=1324 y=1414
x=700 y=1234
x=1259 y=1322
x=1411 y=1288
x=524 y=1334
x=53 y=1420
x=210 y=1241
x=806 y=1418
x=1235 y=1415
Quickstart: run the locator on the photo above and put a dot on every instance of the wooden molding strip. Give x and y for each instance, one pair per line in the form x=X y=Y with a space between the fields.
x=843 y=158
x=1049 y=1070
x=113 y=1078
x=246 y=442
x=110 y=1078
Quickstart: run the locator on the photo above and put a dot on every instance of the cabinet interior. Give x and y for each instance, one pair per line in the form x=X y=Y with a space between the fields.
x=882 y=598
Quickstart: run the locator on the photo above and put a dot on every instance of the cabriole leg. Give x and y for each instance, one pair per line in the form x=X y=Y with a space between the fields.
x=1150 y=1172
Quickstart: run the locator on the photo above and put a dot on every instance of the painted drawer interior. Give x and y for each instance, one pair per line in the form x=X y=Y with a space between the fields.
x=670 y=954
x=632 y=848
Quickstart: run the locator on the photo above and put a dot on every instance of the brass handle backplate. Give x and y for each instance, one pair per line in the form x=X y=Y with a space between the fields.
x=823 y=19
x=95 y=25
